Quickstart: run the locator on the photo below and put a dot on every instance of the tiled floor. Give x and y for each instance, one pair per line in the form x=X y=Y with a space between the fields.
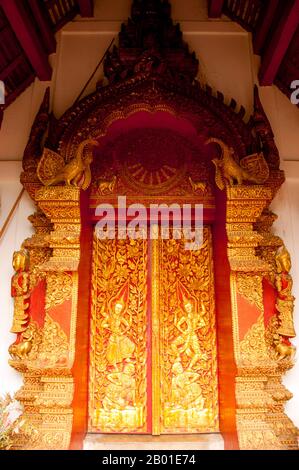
x=144 y=442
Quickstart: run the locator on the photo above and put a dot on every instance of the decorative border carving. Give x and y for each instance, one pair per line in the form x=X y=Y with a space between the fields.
x=150 y=84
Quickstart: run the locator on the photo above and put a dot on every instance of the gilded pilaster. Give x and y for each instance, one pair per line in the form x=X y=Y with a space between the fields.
x=61 y=205
x=48 y=389
x=260 y=396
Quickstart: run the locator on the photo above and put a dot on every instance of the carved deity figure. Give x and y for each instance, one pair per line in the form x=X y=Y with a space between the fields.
x=285 y=299
x=119 y=347
x=185 y=392
x=20 y=292
x=187 y=342
x=120 y=392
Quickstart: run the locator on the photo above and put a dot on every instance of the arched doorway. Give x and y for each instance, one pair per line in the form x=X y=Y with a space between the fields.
x=153 y=352
x=153 y=87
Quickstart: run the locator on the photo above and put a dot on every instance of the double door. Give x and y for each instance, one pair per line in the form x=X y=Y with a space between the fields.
x=153 y=358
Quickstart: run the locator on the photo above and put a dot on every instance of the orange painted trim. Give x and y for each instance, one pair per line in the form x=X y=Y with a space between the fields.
x=227 y=369
x=80 y=369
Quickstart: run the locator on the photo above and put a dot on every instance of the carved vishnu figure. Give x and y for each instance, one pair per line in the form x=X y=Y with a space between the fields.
x=187 y=341
x=119 y=347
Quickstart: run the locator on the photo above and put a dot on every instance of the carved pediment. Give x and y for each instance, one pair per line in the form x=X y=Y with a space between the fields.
x=150 y=42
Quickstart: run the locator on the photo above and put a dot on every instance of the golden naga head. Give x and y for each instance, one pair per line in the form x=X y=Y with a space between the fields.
x=20 y=260
x=283 y=261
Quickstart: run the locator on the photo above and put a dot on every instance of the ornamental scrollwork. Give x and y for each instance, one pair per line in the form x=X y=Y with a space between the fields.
x=59 y=289
x=251 y=288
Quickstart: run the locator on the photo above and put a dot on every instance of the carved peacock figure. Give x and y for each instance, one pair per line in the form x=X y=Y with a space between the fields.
x=53 y=170
x=252 y=168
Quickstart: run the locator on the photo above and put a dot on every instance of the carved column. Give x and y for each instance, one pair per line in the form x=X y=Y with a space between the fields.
x=61 y=205
x=259 y=393
x=48 y=388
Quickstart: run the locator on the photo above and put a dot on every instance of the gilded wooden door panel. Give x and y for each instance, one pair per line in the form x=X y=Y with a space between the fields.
x=177 y=332
x=118 y=351
x=185 y=389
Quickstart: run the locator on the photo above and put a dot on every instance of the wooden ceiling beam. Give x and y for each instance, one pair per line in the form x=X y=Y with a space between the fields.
x=264 y=26
x=215 y=8
x=44 y=25
x=86 y=8
x=28 y=38
x=278 y=46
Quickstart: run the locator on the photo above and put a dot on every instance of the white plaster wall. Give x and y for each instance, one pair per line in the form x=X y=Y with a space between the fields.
x=286 y=206
x=227 y=63
x=16 y=232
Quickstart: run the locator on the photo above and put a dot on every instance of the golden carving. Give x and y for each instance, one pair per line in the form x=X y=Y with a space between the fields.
x=119 y=381
x=119 y=346
x=251 y=251
x=187 y=345
x=28 y=348
x=53 y=170
x=285 y=300
x=20 y=291
x=261 y=422
x=245 y=205
x=187 y=341
x=198 y=186
x=54 y=349
x=118 y=341
x=107 y=186
x=61 y=205
x=65 y=195
x=251 y=288
x=283 y=350
x=253 y=347
x=59 y=289
x=253 y=168
x=22 y=349
x=156 y=344
x=185 y=390
x=258 y=194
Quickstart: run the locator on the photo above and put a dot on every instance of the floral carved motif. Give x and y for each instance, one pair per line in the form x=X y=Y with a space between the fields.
x=59 y=289
x=250 y=287
x=253 y=347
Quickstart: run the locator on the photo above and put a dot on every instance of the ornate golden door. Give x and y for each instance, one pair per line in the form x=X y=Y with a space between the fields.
x=153 y=362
